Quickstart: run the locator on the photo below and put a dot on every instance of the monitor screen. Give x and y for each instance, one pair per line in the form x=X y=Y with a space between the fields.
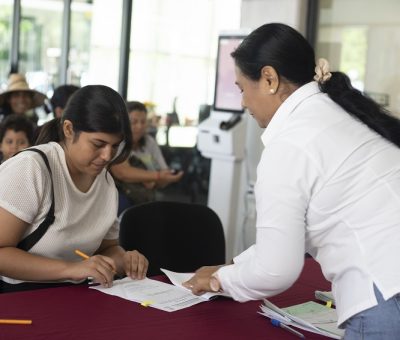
x=227 y=96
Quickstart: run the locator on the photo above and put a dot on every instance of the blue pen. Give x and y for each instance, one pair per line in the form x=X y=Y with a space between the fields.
x=277 y=323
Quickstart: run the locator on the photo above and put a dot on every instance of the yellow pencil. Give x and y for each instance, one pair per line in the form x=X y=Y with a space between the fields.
x=15 y=322
x=83 y=255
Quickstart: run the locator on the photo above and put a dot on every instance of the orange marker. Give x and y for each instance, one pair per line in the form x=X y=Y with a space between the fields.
x=15 y=322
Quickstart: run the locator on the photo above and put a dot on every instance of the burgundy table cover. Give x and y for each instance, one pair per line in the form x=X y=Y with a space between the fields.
x=82 y=313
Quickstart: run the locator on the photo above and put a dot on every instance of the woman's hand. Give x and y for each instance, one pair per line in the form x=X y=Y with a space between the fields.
x=168 y=176
x=200 y=282
x=100 y=268
x=135 y=265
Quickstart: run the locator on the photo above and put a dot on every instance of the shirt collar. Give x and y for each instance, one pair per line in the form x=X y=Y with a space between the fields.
x=286 y=109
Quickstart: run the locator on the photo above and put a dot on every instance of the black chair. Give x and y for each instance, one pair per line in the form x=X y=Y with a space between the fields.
x=177 y=236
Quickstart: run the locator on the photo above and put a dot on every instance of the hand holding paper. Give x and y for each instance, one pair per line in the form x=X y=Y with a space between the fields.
x=199 y=283
x=182 y=279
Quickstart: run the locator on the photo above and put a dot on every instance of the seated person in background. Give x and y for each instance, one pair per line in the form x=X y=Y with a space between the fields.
x=94 y=125
x=145 y=170
x=19 y=98
x=58 y=102
x=16 y=134
x=60 y=97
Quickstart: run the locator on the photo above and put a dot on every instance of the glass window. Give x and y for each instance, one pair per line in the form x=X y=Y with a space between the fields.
x=362 y=39
x=40 y=42
x=95 y=42
x=173 y=51
x=6 y=10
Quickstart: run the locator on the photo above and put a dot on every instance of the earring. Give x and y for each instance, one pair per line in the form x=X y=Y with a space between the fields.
x=272 y=91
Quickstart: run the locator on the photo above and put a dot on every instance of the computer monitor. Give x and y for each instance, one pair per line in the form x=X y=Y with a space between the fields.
x=227 y=96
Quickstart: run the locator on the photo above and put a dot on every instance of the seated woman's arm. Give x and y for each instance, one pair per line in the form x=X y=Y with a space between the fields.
x=124 y=172
x=127 y=173
x=21 y=265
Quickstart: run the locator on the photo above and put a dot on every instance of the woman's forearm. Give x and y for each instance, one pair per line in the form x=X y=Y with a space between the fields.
x=21 y=265
x=133 y=175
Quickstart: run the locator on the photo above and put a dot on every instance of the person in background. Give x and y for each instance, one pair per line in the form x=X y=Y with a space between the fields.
x=19 y=98
x=145 y=170
x=60 y=98
x=58 y=101
x=93 y=134
x=16 y=134
x=328 y=183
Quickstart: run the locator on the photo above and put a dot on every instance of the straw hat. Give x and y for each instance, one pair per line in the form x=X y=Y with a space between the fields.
x=17 y=82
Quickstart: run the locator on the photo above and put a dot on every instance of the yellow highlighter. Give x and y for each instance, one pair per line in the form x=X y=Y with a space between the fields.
x=147 y=303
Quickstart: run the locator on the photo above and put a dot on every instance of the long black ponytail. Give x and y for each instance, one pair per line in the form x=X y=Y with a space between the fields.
x=360 y=106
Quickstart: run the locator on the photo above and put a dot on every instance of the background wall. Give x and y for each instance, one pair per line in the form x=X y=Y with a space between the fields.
x=366 y=46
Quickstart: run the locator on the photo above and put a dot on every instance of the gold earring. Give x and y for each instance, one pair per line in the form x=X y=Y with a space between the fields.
x=272 y=91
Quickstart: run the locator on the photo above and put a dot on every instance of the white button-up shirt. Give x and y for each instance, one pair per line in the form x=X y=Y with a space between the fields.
x=330 y=186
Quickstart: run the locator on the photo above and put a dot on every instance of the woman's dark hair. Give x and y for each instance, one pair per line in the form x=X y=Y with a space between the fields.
x=92 y=108
x=61 y=95
x=17 y=123
x=137 y=106
x=288 y=52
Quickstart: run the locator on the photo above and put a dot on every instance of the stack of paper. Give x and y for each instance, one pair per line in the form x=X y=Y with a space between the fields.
x=310 y=316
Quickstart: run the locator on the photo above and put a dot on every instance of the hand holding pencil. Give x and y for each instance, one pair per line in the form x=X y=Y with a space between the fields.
x=134 y=264
x=100 y=268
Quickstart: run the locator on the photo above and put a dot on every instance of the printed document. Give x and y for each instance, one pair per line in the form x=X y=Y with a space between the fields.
x=157 y=294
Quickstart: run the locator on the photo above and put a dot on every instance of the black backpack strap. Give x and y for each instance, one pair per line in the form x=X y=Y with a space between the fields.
x=29 y=241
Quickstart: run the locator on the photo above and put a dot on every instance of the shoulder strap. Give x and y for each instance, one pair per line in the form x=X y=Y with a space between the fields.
x=29 y=241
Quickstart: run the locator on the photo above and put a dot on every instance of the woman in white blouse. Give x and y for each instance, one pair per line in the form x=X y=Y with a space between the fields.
x=328 y=183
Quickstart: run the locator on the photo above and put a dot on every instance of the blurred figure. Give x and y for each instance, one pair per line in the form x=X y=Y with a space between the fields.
x=60 y=98
x=16 y=134
x=19 y=98
x=145 y=170
x=58 y=102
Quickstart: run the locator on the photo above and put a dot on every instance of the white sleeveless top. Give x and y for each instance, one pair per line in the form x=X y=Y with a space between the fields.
x=82 y=220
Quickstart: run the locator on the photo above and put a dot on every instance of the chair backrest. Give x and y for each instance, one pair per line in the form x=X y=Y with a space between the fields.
x=177 y=236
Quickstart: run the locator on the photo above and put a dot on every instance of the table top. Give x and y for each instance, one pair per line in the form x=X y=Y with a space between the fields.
x=76 y=312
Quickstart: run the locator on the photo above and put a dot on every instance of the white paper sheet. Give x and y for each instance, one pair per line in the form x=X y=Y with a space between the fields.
x=178 y=278
x=152 y=293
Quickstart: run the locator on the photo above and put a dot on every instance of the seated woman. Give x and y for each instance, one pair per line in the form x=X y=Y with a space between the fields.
x=145 y=170
x=67 y=186
x=19 y=98
x=16 y=134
